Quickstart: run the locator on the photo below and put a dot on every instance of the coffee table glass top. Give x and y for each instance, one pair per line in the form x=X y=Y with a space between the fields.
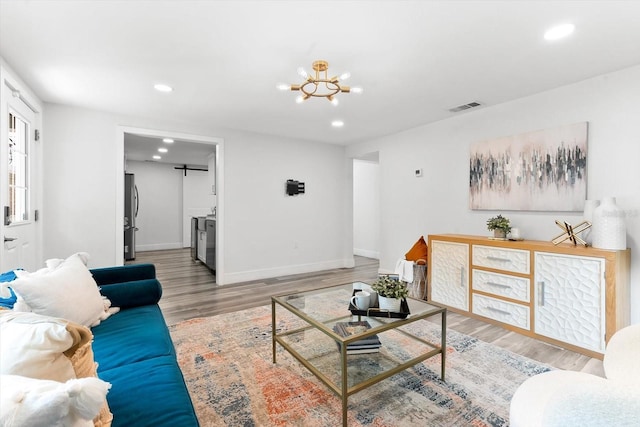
x=324 y=307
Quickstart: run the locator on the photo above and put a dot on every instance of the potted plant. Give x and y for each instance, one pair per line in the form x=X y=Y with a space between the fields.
x=500 y=225
x=390 y=293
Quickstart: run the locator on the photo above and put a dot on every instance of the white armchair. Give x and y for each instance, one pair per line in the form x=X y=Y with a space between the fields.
x=568 y=398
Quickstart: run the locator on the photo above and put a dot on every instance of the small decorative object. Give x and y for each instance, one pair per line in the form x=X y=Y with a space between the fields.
x=609 y=229
x=500 y=225
x=390 y=292
x=515 y=234
x=570 y=233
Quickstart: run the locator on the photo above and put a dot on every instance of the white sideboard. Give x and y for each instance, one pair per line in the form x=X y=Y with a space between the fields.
x=571 y=296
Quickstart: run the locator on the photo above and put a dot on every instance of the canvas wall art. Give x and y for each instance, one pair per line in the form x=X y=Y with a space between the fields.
x=537 y=171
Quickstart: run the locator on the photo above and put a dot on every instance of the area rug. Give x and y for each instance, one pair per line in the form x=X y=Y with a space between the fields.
x=227 y=364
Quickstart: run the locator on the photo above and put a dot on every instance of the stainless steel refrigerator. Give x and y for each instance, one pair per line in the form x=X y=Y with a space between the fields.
x=131 y=204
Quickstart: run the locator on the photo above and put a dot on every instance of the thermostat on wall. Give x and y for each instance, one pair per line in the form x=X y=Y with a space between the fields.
x=418 y=173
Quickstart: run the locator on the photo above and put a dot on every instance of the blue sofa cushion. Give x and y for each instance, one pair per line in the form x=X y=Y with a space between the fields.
x=130 y=336
x=123 y=273
x=133 y=294
x=149 y=393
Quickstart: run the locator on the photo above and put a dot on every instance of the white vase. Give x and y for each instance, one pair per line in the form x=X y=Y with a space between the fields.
x=589 y=207
x=609 y=229
x=391 y=304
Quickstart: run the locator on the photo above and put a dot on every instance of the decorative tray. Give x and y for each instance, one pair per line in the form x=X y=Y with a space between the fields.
x=375 y=311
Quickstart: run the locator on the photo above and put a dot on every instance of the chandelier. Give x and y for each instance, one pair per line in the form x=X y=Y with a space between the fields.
x=320 y=85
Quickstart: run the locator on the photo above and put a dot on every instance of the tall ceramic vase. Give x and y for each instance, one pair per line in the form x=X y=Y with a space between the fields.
x=609 y=229
x=589 y=207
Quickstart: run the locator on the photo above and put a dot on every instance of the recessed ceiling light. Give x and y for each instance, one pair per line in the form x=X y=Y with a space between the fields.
x=162 y=150
x=337 y=123
x=156 y=157
x=559 y=31
x=168 y=140
x=162 y=87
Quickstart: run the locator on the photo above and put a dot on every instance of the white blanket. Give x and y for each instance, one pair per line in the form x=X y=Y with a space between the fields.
x=404 y=270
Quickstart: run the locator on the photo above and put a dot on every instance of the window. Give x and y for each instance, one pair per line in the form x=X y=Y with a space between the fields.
x=18 y=163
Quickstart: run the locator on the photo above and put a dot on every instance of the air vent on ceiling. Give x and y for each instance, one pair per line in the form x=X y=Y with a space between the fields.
x=465 y=107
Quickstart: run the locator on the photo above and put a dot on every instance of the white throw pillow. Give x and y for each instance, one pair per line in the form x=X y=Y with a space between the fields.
x=33 y=345
x=66 y=289
x=44 y=403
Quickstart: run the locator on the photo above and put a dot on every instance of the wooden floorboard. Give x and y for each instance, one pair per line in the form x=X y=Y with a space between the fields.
x=189 y=291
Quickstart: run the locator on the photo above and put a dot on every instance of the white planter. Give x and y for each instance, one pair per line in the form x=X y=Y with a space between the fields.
x=609 y=230
x=391 y=304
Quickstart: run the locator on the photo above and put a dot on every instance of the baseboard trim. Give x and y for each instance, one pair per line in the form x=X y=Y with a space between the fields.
x=246 y=276
x=366 y=253
x=158 y=247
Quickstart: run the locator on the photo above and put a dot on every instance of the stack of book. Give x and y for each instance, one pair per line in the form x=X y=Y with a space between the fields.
x=370 y=344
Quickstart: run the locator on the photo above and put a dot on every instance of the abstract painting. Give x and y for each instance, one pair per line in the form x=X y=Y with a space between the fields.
x=544 y=170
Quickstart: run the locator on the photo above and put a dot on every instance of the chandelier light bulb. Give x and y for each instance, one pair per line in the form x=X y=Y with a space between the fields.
x=335 y=102
x=160 y=87
x=345 y=75
x=559 y=31
x=302 y=72
x=283 y=86
x=299 y=99
x=356 y=89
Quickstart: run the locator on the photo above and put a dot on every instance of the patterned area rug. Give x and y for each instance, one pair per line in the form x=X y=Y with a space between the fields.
x=227 y=364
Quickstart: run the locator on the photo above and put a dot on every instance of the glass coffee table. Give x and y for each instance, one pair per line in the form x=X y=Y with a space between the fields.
x=302 y=323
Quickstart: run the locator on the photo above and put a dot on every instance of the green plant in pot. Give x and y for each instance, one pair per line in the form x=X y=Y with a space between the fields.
x=390 y=293
x=500 y=226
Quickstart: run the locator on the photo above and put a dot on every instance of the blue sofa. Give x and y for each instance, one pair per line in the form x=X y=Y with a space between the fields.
x=135 y=353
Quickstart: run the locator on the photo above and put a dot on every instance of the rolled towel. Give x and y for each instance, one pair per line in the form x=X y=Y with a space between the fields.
x=404 y=270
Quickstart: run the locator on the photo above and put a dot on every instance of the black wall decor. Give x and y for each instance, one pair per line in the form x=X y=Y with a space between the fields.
x=294 y=187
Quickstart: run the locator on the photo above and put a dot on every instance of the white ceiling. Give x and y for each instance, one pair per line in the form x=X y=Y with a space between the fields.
x=180 y=152
x=414 y=59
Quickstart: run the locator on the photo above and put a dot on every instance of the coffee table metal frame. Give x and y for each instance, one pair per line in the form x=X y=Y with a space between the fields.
x=343 y=390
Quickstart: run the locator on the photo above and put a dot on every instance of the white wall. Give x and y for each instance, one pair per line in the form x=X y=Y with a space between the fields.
x=159 y=219
x=79 y=184
x=438 y=202
x=366 y=209
x=276 y=234
x=266 y=232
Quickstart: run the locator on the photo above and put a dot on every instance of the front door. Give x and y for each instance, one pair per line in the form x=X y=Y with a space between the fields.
x=18 y=170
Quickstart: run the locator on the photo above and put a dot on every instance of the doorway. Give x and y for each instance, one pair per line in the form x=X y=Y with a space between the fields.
x=153 y=170
x=366 y=206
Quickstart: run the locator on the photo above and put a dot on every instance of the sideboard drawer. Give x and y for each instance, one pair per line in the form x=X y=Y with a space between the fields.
x=502 y=311
x=514 y=260
x=501 y=284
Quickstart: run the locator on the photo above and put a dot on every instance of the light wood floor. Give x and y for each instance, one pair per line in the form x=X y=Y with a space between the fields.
x=189 y=291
